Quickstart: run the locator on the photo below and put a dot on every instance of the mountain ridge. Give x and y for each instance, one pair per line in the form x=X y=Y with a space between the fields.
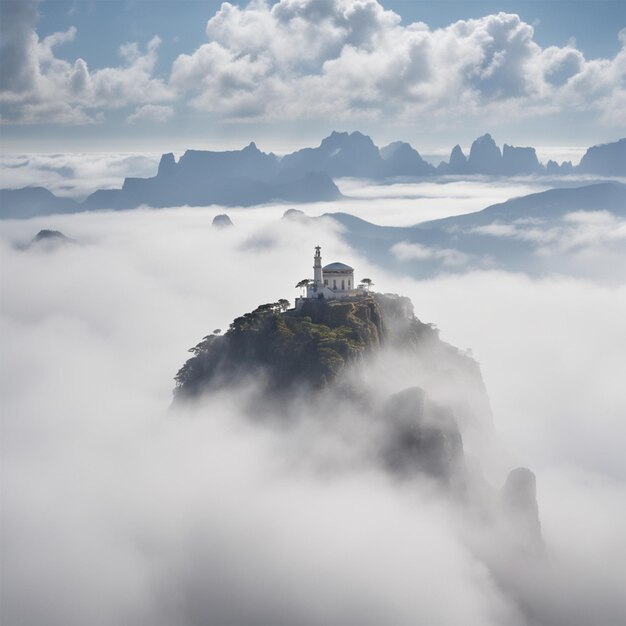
x=504 y=235
x=249 y=177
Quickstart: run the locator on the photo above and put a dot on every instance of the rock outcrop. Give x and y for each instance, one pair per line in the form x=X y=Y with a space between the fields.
x=314 y=354
x=458 y=161
x=516 y=160
x=608 y=159
x=293 y=349
x=485 y=156
x=401 y=159
x=423 y=438
x=222 y=221
x=49 y=240
x=519 y=503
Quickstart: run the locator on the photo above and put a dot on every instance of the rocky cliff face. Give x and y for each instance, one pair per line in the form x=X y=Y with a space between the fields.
x=328 y=351
x=418 y=404
x=606 y=159
x=307 y=348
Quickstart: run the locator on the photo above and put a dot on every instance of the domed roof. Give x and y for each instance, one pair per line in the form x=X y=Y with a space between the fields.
x=338 y=267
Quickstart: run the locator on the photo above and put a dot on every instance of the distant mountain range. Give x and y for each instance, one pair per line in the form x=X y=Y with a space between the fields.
x=33 y=201
x=523 y=234
x=249 y=176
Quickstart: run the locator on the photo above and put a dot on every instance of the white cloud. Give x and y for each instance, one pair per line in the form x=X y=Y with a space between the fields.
x=151 y=113
x=346 y=58
x=116 y=510
x=449 y=257
x=338 y=59
x=38 y=86
x=577 y=230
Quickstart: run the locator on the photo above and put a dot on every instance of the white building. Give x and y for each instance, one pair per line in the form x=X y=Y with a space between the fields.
x=330 y=282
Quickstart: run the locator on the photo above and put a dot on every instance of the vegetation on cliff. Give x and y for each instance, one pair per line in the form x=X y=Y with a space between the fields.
x=308 y=347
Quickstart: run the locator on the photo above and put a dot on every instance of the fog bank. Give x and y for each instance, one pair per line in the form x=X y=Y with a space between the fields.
x=117 y=510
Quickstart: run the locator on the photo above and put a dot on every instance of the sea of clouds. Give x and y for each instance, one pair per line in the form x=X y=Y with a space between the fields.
x=118 y=509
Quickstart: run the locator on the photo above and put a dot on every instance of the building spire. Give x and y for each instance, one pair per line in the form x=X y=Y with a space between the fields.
x=317 y=267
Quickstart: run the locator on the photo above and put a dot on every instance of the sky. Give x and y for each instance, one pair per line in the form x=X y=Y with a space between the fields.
x=170 y=75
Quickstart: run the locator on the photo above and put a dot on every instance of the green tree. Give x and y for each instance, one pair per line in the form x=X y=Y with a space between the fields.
x=367 y=282
x=303 y=284
x=283 y=304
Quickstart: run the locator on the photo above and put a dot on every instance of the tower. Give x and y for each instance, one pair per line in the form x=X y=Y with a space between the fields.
x=317 y=268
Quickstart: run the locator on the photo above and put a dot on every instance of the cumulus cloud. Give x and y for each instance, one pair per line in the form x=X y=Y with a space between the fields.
x=38 y=86
x=294 y=59
x=345 y=58
x=116 y=510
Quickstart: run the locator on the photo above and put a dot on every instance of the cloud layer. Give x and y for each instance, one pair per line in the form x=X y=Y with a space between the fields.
x=116 y=510
x=315 y=59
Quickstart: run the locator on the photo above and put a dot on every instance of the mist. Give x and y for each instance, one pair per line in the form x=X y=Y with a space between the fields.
x=120 y=509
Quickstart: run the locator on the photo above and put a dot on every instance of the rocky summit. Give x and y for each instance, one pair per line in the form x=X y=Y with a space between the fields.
x=308 y=348
x=319 y=353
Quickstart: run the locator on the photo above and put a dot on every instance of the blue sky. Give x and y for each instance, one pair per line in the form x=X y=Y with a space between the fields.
x=541 y=72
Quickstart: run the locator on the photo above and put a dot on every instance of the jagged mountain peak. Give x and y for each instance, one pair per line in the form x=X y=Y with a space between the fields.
x=396 y=148
x=342 y=140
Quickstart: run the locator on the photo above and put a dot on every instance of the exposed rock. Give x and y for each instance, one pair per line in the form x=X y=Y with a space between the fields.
x=305 y=353
x=296 y=215
x=517 y=160
x=458 y=161
x=608 y=159
x=485 y=156
x=306 y=348
x=423 y=438
x=49 y=240
x=222 y=221
x=339 y=154
x=167 y=166
x=553 y=168
x=401 y=159
x=519 y=500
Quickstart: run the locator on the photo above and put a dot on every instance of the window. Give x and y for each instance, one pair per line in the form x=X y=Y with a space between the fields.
x=334 y=284
x=326 y=281
x=343 y=285
x=349 y=285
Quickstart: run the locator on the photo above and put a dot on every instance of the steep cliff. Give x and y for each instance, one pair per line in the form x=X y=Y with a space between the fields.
x=308 y=347
x=328 y=352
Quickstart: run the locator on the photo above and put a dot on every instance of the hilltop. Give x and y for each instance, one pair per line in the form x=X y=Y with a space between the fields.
x=309 y=347
x=321 y=353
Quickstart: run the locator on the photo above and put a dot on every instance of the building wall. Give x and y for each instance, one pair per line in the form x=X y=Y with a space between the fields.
x=339 y=281
x=325 y=291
